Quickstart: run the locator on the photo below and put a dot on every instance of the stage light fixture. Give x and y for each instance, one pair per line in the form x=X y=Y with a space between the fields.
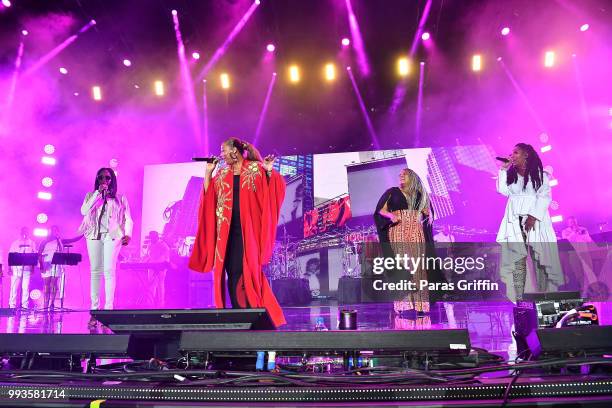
x=546 y=148
x=584 y=27
x=127 y=62
x=63 y=71
x=96 y=92
x=225 y=80
x=24 y=32
x=294 y=73
x=270 y=47
x=49 y=149
x=174 y=12
x=195 y=55
x=49 y=161
x=47 y=181
x=40 y=232
x=330 y=72
x=44 y=195
x=42 y=218
x=477 y=63
x=425 y=36
x=346 y=42
x=556 y=218
x=6 y=3
x=403 y=66
x=158 y=87
x=549 y=59
x=505 y=31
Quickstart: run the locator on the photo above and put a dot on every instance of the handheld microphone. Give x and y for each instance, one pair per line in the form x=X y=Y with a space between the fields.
x=502 y=159
x=205 y=159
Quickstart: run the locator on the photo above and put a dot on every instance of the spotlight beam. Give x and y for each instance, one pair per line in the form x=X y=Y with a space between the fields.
x=264 y=110
x=61 y=47
x=583 y=103
x=362 y=57
x=13 y=87
x=364 y=111
x=188 y=93
x=421 y=27
x=205 y=108
x=524 y=97
x=401 y=88
x=419 y=109
x=223 y=48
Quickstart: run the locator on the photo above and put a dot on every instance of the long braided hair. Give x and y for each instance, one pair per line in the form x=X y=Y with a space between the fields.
x=112 y=186
x=534 y=171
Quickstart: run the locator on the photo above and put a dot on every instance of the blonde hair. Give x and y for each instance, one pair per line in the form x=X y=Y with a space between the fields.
x=415 y=185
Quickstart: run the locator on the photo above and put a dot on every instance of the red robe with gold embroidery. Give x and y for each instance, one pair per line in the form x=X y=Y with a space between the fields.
x=260 y=202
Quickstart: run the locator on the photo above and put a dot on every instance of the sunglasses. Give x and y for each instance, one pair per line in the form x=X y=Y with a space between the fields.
x=103 y=177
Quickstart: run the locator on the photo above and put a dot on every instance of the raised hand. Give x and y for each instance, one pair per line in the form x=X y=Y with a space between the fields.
x=268 y=162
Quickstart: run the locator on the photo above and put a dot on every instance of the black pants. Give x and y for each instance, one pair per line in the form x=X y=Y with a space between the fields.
x=234 y=268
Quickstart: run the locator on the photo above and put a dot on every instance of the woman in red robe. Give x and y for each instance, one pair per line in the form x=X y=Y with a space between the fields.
x=237 y=227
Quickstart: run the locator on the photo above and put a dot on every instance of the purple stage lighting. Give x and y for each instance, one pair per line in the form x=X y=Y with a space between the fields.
x=47 y=182
x=39 y=232
x=505 y=31
x=6 y=3
x=426 y=36
x=174 y=12
x=127 y=62
x=195 y=55
x=42 y=218
x=63 y=71
x=224 y=47
x=24 y=32
x=346 y=42
x=270 y=47
x=584 y=27
x=49 y=161
x=44 y=195
x=49 y=149
x=546 y=148
x=358 y=44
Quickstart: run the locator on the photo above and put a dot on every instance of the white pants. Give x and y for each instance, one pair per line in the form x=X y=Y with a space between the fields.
x=103 y=254
x=20 y=275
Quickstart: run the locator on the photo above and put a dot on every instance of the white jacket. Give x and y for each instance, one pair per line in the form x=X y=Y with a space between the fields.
x=120 y=222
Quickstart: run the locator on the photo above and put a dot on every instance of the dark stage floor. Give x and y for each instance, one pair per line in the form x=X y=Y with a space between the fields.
x=489 y=323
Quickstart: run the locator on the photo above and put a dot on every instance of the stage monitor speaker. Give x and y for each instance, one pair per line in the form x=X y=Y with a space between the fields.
x=165 y=320
x=156 y=332
x=61 y=351
x=455 y=341
x=589 y=340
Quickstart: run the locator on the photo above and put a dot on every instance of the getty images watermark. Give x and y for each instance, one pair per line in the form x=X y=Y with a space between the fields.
x=416 y=266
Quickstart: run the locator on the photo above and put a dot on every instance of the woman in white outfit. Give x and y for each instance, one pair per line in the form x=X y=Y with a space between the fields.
x=527 y=227
x=107 y=225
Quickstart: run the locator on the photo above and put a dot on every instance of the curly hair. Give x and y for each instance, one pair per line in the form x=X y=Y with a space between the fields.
x=242 y=146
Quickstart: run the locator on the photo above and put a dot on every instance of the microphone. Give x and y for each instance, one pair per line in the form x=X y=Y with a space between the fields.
x=205 y=159
x=502 y=159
